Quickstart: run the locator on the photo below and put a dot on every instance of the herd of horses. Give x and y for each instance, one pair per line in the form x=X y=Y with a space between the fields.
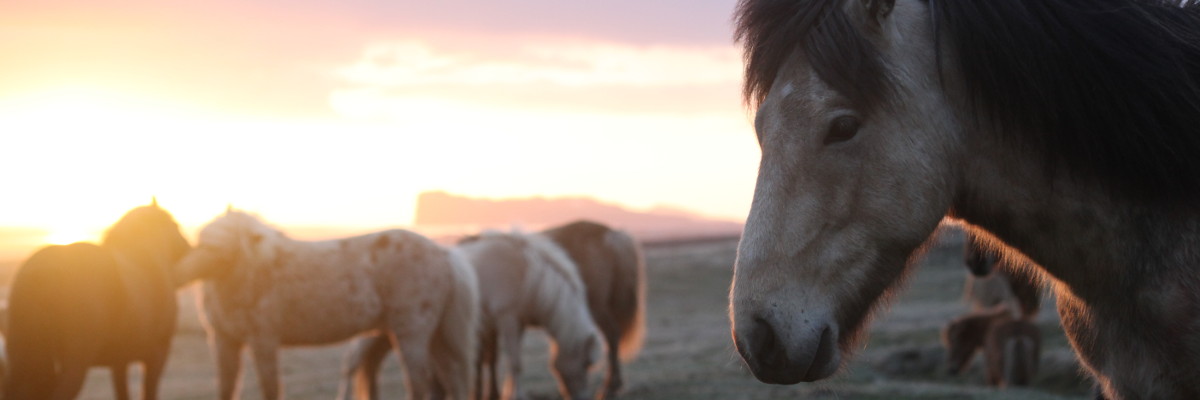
x=1064 y=131
x=77 y=306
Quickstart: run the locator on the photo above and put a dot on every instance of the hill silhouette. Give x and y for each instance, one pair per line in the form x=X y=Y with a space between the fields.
x=449 y=214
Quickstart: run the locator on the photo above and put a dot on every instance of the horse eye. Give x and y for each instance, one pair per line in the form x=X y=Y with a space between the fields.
x=842 y=129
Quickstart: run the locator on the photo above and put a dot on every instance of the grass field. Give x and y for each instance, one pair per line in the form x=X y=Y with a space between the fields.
x=688 y=352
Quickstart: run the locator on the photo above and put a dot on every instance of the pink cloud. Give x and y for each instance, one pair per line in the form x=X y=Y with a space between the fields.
x=282 y=56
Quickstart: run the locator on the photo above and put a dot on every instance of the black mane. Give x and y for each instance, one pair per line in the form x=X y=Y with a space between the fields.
x=1108 y=90
x=772 y=30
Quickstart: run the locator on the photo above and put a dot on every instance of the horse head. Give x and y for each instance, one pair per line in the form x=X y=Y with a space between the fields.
x=148 y=234
x=571 y=361
x=856 y=173
x=230 y=240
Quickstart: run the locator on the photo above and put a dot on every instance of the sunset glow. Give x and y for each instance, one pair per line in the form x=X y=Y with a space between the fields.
x=339 y=114
x=68 y=237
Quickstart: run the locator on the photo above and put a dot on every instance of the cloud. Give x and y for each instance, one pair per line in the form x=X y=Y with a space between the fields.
x=412 y=63
x=659 y=22
x=599 y=76
x=284 y=57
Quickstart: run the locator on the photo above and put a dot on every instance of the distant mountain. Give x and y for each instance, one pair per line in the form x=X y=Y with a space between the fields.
x=446 y=213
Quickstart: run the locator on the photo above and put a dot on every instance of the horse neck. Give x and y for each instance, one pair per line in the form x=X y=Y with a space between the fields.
x=146 y=259
x=1083 y=236
x=562 y=310
x=146 y=276
x=568 y=323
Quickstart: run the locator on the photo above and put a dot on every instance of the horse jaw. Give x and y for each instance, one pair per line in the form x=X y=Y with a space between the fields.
x=832 y=226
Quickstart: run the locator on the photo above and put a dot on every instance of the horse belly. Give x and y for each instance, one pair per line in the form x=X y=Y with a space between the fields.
x=323 y=319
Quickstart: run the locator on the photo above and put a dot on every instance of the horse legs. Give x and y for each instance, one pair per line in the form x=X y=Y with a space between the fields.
x=612 y=334
x=152 y=369
x=266 y=364
x=413 y=344
x=493 y=383
x=437 y=392
x=70 y=380
x=487 y=359
x=120 y=381
x=76 y=355
x=361 y=371
x=477 y=384
x=509 y=339
x=229 y=363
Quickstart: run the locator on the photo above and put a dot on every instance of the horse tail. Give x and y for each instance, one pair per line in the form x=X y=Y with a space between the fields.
x=629 y=300
x=458 y=331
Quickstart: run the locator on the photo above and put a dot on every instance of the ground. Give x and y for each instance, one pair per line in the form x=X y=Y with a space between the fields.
x=688 y=352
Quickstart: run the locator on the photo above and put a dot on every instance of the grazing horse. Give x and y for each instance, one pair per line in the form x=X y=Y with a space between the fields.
x=1011 y=346
x=1068 y=130
x=82 y=305
x=611 y=266
x=264 y=290
x=530 y=282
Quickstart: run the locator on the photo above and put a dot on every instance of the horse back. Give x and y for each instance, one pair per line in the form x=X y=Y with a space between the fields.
x=501 y=266
x=65 y=286
x=610 y=265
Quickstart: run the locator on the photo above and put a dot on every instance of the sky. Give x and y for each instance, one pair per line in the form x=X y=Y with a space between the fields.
x=338 y=113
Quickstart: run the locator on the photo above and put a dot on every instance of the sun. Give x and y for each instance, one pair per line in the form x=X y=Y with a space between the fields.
x=66 y=236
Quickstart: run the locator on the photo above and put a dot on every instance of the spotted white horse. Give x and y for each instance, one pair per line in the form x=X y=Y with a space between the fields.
x=264 y=290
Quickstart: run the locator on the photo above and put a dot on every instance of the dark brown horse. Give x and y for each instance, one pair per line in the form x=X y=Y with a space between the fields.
x=612 y=269
x=611 y=266
x=81 y=305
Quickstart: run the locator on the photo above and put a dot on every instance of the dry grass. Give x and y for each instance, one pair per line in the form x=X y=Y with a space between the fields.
x=688 y=354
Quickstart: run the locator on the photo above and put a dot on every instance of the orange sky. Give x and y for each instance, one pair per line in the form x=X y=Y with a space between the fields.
x=338 y=113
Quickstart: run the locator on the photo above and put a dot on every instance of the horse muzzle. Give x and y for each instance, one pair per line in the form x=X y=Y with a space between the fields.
x=788 y=351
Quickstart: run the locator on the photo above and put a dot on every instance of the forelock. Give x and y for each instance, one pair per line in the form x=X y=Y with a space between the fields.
x=822 y=32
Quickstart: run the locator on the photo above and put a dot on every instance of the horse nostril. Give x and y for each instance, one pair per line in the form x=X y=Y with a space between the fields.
x=825 y=351
x=765 y=345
